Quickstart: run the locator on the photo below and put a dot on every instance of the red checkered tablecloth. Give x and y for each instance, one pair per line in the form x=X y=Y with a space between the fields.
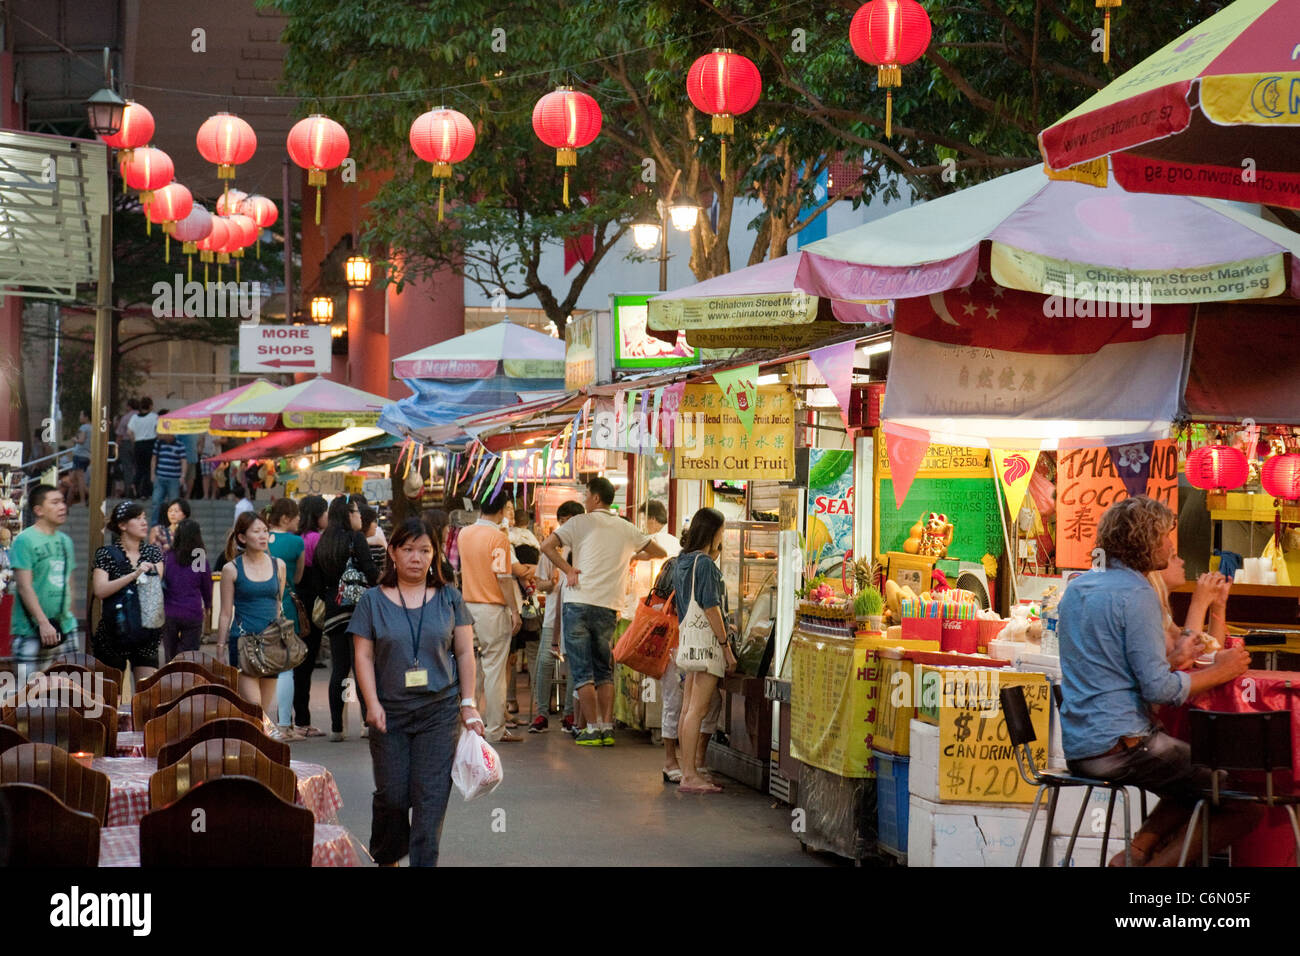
x=128 y=799
x=130 y=743
x=333 y=846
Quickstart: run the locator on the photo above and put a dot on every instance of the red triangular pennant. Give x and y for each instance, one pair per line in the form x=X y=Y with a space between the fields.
x=906 y=449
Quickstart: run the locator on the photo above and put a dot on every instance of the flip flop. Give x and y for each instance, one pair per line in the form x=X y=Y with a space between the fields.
x=672 y=776
x=711 y=788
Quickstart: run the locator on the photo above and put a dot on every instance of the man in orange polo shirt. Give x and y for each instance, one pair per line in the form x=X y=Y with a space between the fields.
x=486 y=571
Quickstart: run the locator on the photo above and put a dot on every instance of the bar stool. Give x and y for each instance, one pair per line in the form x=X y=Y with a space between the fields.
x=1021 y=731
x=1259 y=742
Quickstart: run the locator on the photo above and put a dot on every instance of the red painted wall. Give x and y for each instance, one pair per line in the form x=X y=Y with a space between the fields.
x=424 y=313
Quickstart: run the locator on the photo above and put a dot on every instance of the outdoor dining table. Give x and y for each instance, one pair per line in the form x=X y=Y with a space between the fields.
x=332 y=845
x=128 y=799
x=130 y=743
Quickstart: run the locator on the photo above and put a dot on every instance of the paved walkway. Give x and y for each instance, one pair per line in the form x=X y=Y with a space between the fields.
x=565 y=805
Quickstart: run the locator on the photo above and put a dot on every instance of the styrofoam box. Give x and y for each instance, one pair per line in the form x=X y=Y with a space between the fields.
x=1008 y=650
x=969 y=834
x=923 y=772
x=1087 y=850
x=1094 y=820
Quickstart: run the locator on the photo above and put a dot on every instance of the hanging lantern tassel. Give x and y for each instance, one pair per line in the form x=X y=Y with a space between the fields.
x=889 y=76
x=167 y=244
x=1105 y=38
x=442 y=172
x=566 y=157
x=724 y=125
x=316 y=177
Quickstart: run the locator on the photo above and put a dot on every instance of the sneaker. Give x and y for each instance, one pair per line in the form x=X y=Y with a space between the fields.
x=591 y=738
x=607 y=737
x=336 y=735
x=566 y=724
x=539 y=725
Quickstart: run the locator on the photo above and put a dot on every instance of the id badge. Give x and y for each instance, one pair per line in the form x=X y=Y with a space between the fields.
x=417 y=677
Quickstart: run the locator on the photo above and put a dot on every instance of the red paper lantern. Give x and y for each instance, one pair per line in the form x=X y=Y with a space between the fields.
x=890 y=34
x=243 y=233
x=724 y=84
x=442 y=137
x=1217 y=468
x=261 y=210
x=170 y=203
x=1280 y=476
x=566 y=120
x=148 y=169
x=137 y=129
x=194 y=227
x=213 y=245
x=229 y=202
x=317 y=144
x=227 y=141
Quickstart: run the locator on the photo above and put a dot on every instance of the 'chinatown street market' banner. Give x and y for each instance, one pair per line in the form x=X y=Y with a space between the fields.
x=711 y=443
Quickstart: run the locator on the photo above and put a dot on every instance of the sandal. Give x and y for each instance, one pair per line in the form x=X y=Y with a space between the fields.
x=308 y=731
x=673 y=776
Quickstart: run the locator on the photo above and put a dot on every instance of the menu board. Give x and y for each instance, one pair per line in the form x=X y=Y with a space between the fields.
x=977 y=763
x=832 y=709
x=971 y=505
x=1087 y=484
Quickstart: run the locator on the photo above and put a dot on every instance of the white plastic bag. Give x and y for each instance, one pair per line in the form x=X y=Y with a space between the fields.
x=477 y=768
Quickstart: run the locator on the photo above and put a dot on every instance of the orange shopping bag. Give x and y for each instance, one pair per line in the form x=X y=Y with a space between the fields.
x=648 y=643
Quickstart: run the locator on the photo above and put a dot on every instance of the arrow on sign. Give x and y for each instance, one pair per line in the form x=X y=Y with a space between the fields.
x=282 y=363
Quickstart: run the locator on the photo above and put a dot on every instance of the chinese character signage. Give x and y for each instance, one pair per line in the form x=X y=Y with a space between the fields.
x=711 y=443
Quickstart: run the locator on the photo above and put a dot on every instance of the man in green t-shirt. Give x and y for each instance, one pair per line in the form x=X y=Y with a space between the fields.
x=43 y=624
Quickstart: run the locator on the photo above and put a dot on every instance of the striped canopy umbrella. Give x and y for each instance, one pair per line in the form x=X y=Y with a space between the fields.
x=318 y=403
x=1214 y=113
x=195 y=419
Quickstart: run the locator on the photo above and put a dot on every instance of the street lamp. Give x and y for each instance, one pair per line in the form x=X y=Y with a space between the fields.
x=684 y=215
x=104 y=112
x=322 y=310
x=357 y=271
x=646 y=233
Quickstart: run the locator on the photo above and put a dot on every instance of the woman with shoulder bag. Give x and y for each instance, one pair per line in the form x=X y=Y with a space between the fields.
x=252 y=588
x=413 y=639
x=130 y=626
x=703 y=644
x=289 y=548
x=346 y=570
x=312 y=511
x=188 y=596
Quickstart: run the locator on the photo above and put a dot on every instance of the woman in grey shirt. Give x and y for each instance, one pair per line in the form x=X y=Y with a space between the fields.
x=413 y=639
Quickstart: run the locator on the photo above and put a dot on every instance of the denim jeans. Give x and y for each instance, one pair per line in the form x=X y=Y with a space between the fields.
x=412 y=764
x=587 y=632
x=164 y=490
x=543 y=676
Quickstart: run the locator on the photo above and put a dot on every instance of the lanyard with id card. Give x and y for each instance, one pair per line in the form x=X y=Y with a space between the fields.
x=416 y=676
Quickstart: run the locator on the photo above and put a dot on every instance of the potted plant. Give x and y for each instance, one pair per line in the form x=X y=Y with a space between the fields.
x=867 y=605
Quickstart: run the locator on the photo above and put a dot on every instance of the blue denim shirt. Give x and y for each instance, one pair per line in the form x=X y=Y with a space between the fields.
x=1113 y=661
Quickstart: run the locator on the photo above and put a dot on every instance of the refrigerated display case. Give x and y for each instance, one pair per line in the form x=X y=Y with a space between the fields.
x=750 y=570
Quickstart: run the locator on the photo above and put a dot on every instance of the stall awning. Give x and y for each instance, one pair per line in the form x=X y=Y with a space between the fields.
x=53 y=197
x=1244 y=361
x=274 y=445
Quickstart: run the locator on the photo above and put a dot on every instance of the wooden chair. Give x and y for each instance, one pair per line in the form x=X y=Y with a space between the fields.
x=64 y=727
x=46 y=766
x=106 y=689
x=92 y=662
x=230 y=729
x=219 y=758
x=244 y=824
x=12 y=738
x=60 y=691
x=220 y=671
x=215 y=690
x=145 y=704
x=182 y=719
x=44 y=831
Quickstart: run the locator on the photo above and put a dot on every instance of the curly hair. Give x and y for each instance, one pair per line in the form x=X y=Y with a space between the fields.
x=1130 y=531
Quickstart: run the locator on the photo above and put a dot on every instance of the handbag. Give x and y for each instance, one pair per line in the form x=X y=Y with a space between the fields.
x=300 y=612
x=152 y=610
x=352 y=584
x=318 y=612
x=273 y=650
x=122 y=612
x=651 y=637
x=697 y=648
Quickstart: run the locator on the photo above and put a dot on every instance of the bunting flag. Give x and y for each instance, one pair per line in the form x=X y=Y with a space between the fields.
x=906 y=449
x=835 y=363
x=546 y=465
x=586 y=411
x=668 y=420
x=1132 y=462
x=1014 y=469
x=740 y=390
x=654 y=415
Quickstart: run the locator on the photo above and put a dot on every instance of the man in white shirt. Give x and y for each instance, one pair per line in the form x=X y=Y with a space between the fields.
x=144 y=429
x=595 y=584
